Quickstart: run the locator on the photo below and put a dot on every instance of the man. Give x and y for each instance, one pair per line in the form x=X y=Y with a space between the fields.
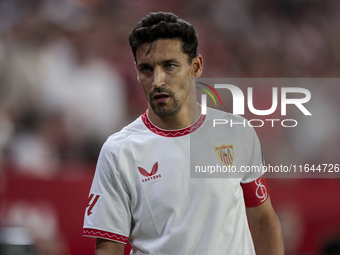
x=142 y=191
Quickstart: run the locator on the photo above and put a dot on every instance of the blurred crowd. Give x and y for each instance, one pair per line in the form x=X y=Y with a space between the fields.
x=67 y=79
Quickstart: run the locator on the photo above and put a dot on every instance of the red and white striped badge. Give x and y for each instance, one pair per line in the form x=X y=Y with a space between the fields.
x=225 y=154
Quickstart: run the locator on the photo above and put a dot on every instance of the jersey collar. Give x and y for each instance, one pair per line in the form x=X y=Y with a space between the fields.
x=172 y=133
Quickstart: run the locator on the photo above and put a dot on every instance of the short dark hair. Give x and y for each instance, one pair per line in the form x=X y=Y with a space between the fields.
x=163 y=25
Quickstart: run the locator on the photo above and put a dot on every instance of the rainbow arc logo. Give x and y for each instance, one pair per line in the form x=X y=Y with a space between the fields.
x=209 y=93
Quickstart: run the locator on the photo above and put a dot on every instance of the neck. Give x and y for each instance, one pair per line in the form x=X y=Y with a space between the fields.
x=183 y=119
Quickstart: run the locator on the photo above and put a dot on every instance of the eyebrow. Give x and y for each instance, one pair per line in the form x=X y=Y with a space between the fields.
x=167 y=61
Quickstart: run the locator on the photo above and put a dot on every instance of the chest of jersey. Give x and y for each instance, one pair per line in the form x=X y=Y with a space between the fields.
x=163 y=192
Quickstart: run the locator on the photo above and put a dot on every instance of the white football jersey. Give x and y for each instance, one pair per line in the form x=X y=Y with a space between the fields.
x=145 y=190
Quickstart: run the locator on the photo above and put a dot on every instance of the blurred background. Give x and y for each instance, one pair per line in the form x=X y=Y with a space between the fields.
x=67 y=81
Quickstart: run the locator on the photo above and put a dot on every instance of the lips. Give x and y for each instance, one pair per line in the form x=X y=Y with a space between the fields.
x=160 y=97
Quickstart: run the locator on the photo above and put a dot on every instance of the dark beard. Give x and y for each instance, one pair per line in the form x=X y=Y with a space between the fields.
x=158 y=108
x=162 y=112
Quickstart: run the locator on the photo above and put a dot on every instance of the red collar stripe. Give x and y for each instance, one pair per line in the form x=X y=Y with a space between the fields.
x=172 y=133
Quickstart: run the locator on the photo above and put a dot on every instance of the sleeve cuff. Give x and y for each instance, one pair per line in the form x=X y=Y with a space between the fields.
x=95 y=233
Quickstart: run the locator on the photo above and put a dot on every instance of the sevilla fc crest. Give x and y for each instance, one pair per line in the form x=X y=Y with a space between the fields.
x=225 y=153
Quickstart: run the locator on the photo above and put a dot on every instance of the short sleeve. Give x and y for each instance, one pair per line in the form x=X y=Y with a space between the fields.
x=254 y=157
x=107 y=213
x=254 y=185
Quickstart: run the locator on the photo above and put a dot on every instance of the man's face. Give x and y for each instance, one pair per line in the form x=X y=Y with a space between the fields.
x=164 y=72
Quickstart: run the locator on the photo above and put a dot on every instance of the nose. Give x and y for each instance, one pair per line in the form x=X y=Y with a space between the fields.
x=158 y=77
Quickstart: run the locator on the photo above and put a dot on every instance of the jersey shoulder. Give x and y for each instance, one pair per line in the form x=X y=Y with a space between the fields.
x=214 y=113
x=136 y=127
x=117 y=140
x=228 y=120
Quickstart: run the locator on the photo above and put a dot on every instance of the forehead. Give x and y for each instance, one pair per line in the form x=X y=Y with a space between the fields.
x=161 y=49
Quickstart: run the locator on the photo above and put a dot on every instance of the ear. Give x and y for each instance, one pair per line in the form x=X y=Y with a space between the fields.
x=137 y=71
x=197 y=66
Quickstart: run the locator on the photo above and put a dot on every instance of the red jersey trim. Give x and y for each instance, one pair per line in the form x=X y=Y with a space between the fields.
x=256 y=192
x=105 y=235
x=172 y=133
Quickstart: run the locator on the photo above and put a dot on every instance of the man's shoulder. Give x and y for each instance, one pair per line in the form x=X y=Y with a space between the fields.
x=136 y=127
x=225 y=121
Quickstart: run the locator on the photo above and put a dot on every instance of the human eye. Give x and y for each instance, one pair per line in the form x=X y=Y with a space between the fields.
x=169 y=66
x=145 y=69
